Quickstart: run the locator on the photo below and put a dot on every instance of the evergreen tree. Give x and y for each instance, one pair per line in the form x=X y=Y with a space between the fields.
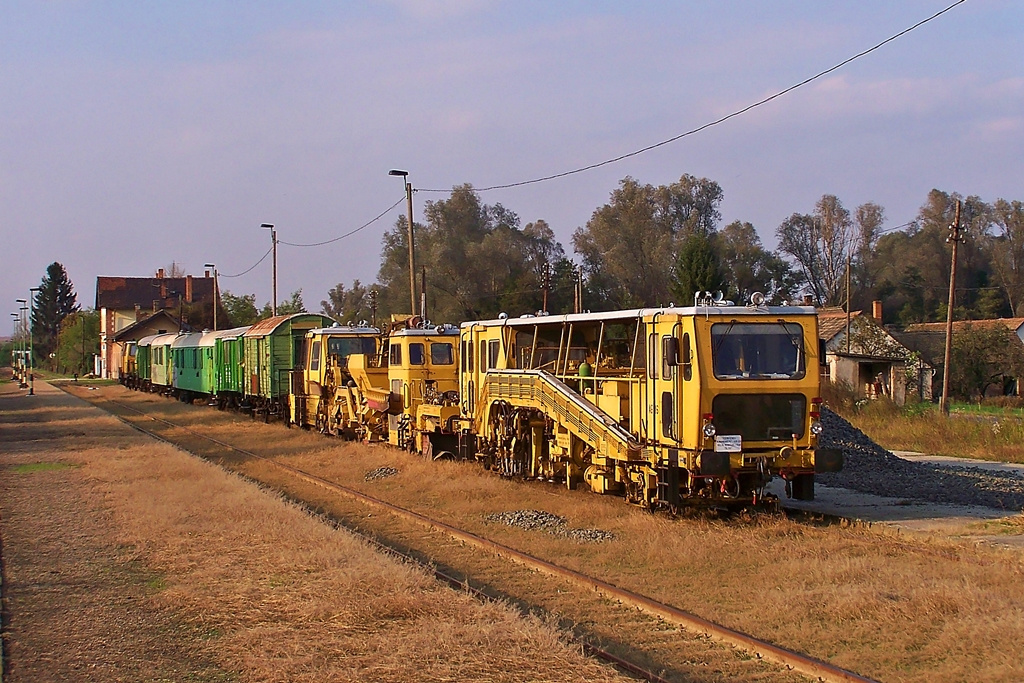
x=697 y=269
x=54 y=301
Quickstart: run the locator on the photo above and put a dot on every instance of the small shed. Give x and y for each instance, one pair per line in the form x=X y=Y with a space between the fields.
x=871 y=360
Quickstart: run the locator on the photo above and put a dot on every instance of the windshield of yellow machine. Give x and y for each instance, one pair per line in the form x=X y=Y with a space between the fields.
x=346 y=346
x=757 y=350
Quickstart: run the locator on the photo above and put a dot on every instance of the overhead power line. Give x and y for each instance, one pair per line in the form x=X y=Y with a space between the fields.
x=247 y=270
x=723 y=119
x=318 y=244
x=347 y=234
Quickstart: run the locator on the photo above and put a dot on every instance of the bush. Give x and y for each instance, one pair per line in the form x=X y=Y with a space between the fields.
x=839 y=396
x=1011 y=402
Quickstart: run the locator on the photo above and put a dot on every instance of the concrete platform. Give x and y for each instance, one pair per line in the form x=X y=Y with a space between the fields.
x=914 y=515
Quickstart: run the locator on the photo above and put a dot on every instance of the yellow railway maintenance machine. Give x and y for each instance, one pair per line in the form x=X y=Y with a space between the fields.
x=668 y=407
x=423 y=383
x=324 y=394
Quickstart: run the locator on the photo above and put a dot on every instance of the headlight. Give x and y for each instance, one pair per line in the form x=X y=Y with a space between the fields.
x=709 y=430
x=817 y=428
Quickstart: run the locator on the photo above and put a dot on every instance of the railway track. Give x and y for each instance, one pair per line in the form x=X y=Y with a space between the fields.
x=788 y=659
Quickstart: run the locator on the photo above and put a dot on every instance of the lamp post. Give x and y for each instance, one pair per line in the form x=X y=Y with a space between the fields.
x=216 y=294
x=412 y=254
x=273 y=242
x=31 y=341
x=16 y=318
x=24 y=343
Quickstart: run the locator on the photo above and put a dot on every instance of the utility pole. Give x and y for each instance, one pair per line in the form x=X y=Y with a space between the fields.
x=216 y=294
x=955 y=238
x=412 y=251
x=848 y=259
x=273 y=243
x=373 y=307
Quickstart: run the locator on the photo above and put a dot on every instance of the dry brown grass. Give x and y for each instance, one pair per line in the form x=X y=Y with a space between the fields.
x=289 y=599
x=901 y=608
x=997 y=436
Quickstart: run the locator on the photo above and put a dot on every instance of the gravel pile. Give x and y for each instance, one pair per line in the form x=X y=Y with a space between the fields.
x=553 y=524
x=869 y=468
x=380 y=473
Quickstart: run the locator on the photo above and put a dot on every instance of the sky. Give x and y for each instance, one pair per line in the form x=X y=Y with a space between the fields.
x=137 y=134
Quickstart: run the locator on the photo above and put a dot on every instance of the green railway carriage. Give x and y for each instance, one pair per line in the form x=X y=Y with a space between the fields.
x=228 y=368
x=190 y=363
x=143 y=356
x=273 y=348
x=161 y=374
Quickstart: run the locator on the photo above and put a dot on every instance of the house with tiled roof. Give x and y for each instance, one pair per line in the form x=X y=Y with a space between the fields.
x=861 y=353
x=125 y=301
x=929 y=340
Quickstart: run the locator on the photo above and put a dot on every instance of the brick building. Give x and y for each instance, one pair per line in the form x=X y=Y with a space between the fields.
x=125 y=301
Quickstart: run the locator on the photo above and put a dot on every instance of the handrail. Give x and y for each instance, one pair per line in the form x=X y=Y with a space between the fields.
x=541 y=390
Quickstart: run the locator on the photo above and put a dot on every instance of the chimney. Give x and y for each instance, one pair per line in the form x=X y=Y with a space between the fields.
x=206 y=274
x=163 y=287
x=138 y=313
x=160 y=273
x=188 y=288
x=808 y=300
x=156 y=305
x=876 y=311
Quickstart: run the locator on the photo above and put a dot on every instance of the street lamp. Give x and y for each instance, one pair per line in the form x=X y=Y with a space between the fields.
x=215 y=293
x=16 y=317
x=273 y=241
x=412 y=257
x=24 y=344
x=31 y=341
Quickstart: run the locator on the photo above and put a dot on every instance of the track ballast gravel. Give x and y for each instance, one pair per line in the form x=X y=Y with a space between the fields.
x=869 y=468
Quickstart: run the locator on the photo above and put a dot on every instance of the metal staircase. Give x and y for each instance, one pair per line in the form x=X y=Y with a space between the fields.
x=544 y=392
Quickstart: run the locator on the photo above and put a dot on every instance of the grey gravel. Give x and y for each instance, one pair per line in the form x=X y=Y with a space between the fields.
x=869 y=468
x=380 y=473
x=552 y=524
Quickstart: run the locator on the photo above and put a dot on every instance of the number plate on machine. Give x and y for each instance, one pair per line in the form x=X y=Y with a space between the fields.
x=728 y=443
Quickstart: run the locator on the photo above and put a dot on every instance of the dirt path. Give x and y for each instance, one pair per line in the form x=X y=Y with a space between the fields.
x=78 y=604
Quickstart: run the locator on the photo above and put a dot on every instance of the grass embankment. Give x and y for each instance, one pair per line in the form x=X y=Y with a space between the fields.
x=894 y=607
x=970 y=431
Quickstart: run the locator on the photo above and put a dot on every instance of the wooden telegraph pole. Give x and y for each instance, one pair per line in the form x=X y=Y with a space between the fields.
x=955 y=238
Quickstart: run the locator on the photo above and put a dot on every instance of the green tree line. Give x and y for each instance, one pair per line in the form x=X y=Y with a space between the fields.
x=651 y=245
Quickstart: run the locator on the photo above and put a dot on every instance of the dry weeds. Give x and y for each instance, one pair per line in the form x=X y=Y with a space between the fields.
x=278 y=595
x=894 y=607
x=902 y=608
x=997 y=438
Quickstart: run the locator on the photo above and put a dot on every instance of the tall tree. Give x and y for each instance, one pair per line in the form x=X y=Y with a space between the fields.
x=77 y=342
x=868 y=219
x=819 y=243
x=696 y=270
x=631 y=244
x=54 y=301
x=477 y=259
x=1007 y=251
x=241 y=310
x=291 y=305
x=750 y=268
x=347 y=305
x=911 y=267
